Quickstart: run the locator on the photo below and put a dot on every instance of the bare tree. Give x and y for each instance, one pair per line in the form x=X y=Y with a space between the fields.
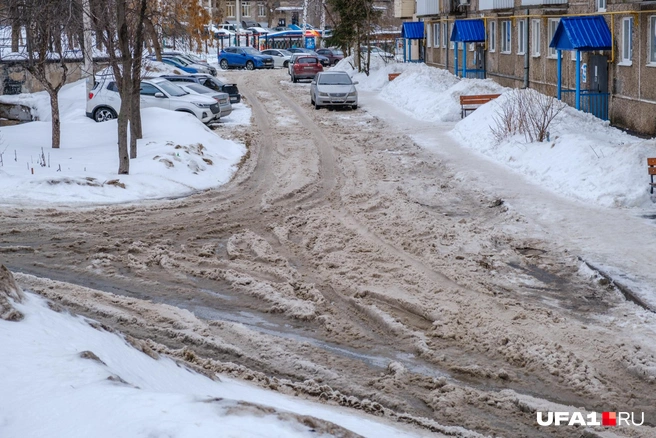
x=120 y=26
x=50 y=27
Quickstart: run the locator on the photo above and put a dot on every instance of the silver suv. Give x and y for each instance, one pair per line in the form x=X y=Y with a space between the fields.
x=104 y=101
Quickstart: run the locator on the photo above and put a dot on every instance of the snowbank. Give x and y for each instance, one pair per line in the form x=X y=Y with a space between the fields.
x=178 y=155
x=61 y=377
x=586 y=158
x=427 y=93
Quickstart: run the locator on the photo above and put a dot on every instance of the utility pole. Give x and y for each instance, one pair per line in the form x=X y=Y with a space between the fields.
x=238 y=13
x=305 y=6
x=322 y=25
x=87 y=71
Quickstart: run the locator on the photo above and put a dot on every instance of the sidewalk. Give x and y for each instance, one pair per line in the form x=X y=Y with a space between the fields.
x=620 y=242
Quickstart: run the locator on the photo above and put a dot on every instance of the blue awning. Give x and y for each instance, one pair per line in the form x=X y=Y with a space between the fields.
x=413 y=30
x=468 y=31
x=582 y=33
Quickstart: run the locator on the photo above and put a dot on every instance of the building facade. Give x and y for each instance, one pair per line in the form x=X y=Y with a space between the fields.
x=516 y=50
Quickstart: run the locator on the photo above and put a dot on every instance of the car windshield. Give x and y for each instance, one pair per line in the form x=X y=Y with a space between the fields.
x=285 y=53
x=198 y=88
x=171 y=89
x=338 y=53
x=213 y=83
x=335 y=80
x=179 y=60
x=251 y=51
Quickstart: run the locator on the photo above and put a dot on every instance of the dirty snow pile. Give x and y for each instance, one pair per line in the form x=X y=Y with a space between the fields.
x=178 y=155
x=584 y=158
x=61 y=377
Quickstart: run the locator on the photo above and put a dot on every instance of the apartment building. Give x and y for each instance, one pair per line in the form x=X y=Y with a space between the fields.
x=508 y=41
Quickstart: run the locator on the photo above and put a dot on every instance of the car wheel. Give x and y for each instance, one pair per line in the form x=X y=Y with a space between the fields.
x=104 y=114
x=285 y=64
x=316 y=105
x=224 y=64
x=354 y=107
x=250 y=65
x=294 y=80
x=336 y=62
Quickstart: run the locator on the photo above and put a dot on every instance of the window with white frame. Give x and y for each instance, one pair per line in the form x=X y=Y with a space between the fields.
x=601 y=5
x=230 y=10
x=245 y=9
x=429 y=37
x=627 y=43
x=652 y=40
x=492 y=38
x=451 y=44
x=261 y=10
x=506 y=34
x=521 y=37
x=553 y=25
x=445 y=34
x=535 y=38
x=436 y=34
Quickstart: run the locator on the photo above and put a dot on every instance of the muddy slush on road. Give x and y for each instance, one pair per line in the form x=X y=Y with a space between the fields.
x=344 y=263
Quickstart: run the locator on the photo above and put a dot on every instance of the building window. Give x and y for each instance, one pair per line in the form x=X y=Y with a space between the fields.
x=436 y=34
x=261 y=10
x=451 y=44
x=652 y=40
x=535 y=36
x=492 y=42
x=627 y=44
x=445 y=36
x=506 y=34
x=245 y=9
x=230 y=10
x=553 y=25
x=601 y=5
x=521 y=37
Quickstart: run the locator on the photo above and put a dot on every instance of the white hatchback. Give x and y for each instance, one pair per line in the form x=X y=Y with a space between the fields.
x=104 y=101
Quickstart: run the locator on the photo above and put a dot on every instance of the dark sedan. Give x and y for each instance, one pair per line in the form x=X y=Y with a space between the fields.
x=322 y=59
x=333 y=55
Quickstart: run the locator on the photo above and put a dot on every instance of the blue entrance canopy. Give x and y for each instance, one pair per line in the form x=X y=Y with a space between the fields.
x=583 y=34
x=413 y=30
x=468 y=31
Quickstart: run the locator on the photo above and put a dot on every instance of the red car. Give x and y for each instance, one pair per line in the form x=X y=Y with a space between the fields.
x=306 y=67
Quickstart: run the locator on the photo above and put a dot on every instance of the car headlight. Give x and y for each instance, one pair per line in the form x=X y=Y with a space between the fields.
x=202 y=105
x=323 y=94
x=353 y=93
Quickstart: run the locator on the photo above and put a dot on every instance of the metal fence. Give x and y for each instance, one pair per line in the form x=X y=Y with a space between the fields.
x=592 y=102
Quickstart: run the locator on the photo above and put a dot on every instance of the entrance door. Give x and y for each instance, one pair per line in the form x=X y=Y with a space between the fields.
x=598 y=71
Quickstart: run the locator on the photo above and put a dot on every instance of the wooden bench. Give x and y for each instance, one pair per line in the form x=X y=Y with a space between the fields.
x=392 y=76
x=473 y=101
x=651 y=163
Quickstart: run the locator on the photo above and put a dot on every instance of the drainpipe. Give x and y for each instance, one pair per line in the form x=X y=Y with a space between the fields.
x=526 y=50
x=464 y=59
x=578 y=79
x=455 y=58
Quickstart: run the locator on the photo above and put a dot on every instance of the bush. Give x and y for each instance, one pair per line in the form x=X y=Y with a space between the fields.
x=526 y=112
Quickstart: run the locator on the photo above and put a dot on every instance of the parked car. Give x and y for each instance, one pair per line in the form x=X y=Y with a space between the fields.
x=324 y=60
x=244 y=57
x=306 y=67
x=187 y=66
x=333 y=88
x=188 y=56
x=377 y=51
x=209 y=82
x=222 y=98
x=333 y=55
x=280 y=57
x=257 y=30
x=104 y=102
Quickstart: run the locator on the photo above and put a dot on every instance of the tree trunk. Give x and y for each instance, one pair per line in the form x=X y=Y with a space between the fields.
x=54 y=113
x=123 y=158
x=135 y=121
x=154 y=38
x=15 y=37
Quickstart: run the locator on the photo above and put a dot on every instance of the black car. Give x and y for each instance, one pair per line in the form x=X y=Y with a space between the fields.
x=334 y=55
x=209 y=82
x=324 y=60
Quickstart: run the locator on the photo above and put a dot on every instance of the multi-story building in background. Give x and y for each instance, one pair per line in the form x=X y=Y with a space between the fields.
x=515 y=52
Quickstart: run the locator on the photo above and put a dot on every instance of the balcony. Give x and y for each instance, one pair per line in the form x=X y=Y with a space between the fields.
x=404 y=8
x=543 y=2
x=428 y=7
x=486 y=5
